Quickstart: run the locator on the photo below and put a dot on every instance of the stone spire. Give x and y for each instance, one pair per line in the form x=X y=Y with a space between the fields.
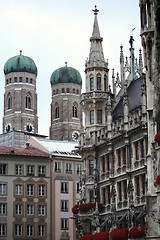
x=96 y=56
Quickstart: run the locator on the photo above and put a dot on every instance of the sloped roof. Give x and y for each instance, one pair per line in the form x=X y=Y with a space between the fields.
x=58 y=148
x=22 y=151
x=134 y=96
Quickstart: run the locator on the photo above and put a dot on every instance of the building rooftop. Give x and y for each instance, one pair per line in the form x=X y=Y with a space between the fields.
x=22 y=151
x=58 y=148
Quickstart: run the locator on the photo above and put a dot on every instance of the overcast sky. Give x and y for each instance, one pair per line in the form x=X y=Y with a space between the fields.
x=54 y=31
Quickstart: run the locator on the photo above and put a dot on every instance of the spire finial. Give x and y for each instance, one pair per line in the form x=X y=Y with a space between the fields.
x=20 y=52
x=66 y=63
x=95 y=10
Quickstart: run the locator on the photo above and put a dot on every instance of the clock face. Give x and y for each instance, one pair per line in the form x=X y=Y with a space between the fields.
x=75 y=135
x=29 y=127
x=8 y=128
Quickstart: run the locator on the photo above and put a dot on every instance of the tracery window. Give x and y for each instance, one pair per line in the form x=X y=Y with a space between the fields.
x=98 y=83
x=74 y=111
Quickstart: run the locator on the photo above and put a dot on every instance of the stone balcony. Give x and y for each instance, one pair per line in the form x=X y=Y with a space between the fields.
x=95 y=95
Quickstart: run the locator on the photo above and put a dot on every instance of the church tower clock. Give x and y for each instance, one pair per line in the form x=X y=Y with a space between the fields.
x=20 y=97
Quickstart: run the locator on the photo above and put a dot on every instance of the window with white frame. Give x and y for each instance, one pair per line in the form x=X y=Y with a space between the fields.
x=68 y=167
x=79 y=168
x=64 y=205
x=30 y=189
x=41 y=190
x=3 y=208
x=30 y=170
x=41 y=230
x=18 y=189
x=19 y=170
x=18 y=230
x=30 y=209
x=30 y=230
x=57 y=166
x=64 y=223
x=18 y=209
x=64 y=187
x=3 y=188
x=3 y=169
x=2 y=229
x=41 y=171
x=41 y=210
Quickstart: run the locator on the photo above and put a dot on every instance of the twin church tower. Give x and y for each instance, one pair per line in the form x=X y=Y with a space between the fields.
x=20 y=97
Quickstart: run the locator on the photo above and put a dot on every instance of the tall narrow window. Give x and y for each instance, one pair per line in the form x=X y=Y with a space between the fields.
x=91 y=195
x=124 y=156
x=99 y=116
x=74 y=111
x=105 y=88
x=103 y=165
x=91 y=167
x=9 y=102
x=92 y=84
x=108 y=194
x=136 y=146
x=28 y=102
x=41 y=230
x=98 y=83
x=92 y=117
x=68 y=167
x=57 y=112
x=104 y=196
x=119 y=157
x=18 y=230
x=119 y=191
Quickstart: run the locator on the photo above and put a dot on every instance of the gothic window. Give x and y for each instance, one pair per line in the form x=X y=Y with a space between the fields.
x=27 y=80
x=57 y=91
x=9 y=102
x=91 y=84
x=63 y=90
x=31 y=80
x=104 y=196
x=67 y=90
x=142 y=148
x=20 y=79
x=91 y=195
x=137 y=186
x=74 y=111
x=6 y=81
x=105 y=85
x=91 y=167
x=54 y=92
x=28 y=102
x=77 y=91
x=119 y=157
x=124 y=155
x=73 y=91
x=15 y=79
x=107 y=163
x=57 y=112
x=92 y=117
x=10 y=80
x=98 y=83
x=99 y=116
x=108 y=194
x=119 y=187
x=103 y=164
x=136 y=148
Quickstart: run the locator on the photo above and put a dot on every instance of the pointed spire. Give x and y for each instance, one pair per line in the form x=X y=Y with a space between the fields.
x=96 y=32
x=96 y=56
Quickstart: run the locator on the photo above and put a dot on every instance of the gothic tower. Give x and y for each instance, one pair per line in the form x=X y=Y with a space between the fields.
x=20 y=97
x=96 y=70
x=66 y=116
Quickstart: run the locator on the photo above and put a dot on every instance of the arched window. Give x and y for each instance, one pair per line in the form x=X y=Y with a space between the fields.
x=57 y=112
x=28 y=102
x=98 y=83
x=9 y=102
x=74 y=111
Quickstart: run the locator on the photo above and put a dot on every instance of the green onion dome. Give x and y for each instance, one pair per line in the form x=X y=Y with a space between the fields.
x=20 y=63
x=66 y=75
